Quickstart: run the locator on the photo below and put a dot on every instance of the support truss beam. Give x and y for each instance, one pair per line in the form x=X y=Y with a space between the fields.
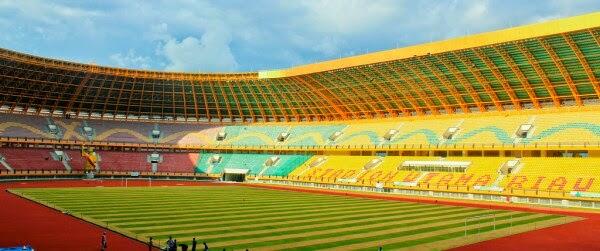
x=247 y=102
x=327 y=97
x=221 y=87
x=430 y=85
x=131 y=93
x=401 y=88
x=498 y=75
x=202 y=86
x=540 y=72
x=417 y=89
x=53 y=88
x=463 y=81
x=365 y=108
x=195 y=97
x=237 y=101
x=33 y=95
x=517 y=71
x=367 y=86
x=116 y=105
x=311 y=105
x=481 y=79
x=388 y=90
x=583 y=61
x=563 y=71
x=445 y=81
x=270 y=95
x=108 y=94
x=82 y=84
x=279 y=96
x=216 y=99
x=266 y=99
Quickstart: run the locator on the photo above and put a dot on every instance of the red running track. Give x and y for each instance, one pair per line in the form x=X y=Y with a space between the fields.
x=579 y=235
x=23 y=222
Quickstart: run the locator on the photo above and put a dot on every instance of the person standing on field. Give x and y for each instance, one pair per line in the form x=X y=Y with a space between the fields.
x=103 y=242
x=169 y=244
x=174 y=245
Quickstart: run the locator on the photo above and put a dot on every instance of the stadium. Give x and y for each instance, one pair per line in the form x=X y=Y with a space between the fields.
x=486 y=141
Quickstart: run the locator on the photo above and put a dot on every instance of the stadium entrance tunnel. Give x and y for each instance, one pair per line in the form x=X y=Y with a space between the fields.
x=234 y=174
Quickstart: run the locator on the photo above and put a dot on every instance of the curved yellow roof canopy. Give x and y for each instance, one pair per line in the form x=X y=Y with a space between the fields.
x=542 y=29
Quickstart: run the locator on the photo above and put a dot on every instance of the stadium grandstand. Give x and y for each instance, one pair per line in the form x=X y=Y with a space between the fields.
x=509 y=116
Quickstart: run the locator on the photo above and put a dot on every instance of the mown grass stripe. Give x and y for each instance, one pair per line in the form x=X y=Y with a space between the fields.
x=441 y=226
x=77 y=199
x=339 y=234
x=315 y=226
x=226 y=207
x=175 y=204
x=144 y=194
x=460 y=233
x=254 y=220
x=93 y=210
x=208 y=216
x=265 y=211
x=109 y=203
x=251 y=231
x=372 y=242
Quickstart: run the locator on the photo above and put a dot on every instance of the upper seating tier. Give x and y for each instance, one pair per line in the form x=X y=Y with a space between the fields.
x=497 y=128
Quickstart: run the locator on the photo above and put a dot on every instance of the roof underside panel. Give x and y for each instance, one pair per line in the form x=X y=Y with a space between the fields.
x=550 y=71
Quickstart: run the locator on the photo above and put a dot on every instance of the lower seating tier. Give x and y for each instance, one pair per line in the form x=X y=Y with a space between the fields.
x=507 y=175
x=566 y=174
x=256 y=164
x=30 y=159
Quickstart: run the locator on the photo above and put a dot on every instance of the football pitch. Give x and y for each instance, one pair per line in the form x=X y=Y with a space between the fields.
x=239 y=218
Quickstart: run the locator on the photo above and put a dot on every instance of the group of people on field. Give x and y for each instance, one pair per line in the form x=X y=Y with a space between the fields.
x=172 y=245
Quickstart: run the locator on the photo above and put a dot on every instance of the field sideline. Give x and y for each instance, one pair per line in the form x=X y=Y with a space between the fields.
x=237 y=217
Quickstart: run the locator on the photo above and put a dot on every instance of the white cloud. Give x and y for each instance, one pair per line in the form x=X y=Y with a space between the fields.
x=345 y=16
x=48 y=12
x=328 y=46
x=210 y=53
x=190 y=35
x=478 y=10
x=539 y=19
x=130 y=60
x=158 y=32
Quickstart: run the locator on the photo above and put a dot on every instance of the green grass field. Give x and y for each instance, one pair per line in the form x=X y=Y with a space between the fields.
x=236 y=217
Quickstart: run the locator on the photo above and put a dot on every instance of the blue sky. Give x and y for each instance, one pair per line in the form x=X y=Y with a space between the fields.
x=242 y=35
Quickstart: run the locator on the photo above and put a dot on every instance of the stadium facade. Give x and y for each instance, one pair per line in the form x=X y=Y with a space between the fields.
x=510 y=115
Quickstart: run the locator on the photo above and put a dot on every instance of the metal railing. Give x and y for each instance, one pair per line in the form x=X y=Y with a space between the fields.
x=449 y=147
